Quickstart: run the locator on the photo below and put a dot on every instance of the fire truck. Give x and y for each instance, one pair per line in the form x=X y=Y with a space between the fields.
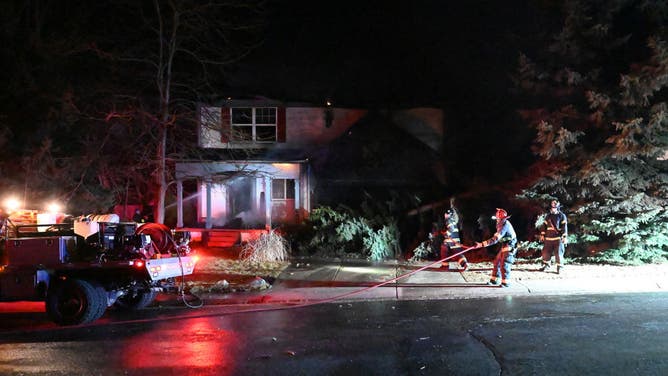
x=80 y=266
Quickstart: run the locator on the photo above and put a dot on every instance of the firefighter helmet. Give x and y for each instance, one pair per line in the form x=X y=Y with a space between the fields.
x=501 y=214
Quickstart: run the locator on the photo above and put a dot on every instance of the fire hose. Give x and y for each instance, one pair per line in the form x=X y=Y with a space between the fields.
x=341 y=296
x=359 y=291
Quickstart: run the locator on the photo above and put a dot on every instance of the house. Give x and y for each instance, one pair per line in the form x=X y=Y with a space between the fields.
x=266 y=158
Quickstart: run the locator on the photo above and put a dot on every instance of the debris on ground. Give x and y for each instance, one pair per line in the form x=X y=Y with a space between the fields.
x=259 y=284
x=221 y=275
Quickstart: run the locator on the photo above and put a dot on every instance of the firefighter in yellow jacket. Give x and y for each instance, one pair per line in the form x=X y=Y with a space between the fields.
x=554 y=235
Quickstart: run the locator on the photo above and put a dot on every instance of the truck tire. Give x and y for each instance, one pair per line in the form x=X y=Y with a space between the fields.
x=140 y=300
x=75 y=301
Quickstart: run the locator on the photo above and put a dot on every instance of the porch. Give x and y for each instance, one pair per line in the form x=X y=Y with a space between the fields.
x=243 y=194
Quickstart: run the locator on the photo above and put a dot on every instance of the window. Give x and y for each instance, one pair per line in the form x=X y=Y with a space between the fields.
x=282 y=189
x=254 y=124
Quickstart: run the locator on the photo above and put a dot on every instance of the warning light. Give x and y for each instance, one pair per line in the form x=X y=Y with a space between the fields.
x=137 y=263
x=53 y=207
x=12 y=204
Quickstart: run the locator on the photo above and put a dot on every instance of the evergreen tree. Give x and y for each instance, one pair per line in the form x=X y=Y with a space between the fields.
x=598 y=96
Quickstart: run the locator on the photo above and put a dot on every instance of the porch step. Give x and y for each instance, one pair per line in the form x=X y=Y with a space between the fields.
x=223 y=238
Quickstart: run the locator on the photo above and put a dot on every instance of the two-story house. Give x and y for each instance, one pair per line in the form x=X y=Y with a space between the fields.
x=278 y=150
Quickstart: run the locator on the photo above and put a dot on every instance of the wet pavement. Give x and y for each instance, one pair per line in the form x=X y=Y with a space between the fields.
x=388 y=318
x=605 y=334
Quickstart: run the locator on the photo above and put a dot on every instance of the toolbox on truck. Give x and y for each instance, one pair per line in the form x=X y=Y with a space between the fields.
x=38 y=251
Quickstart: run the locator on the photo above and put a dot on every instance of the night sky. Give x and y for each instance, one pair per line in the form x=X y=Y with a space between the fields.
x=389 y=53
x=458 y=56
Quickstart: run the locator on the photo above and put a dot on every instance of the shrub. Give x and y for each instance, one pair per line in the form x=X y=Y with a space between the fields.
x=421 y=252
x=529 y=249
x=344 y=233
x=267 y=247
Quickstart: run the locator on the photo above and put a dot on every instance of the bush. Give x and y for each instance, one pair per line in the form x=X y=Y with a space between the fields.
x=529 y=249
x=343 y=233
x=268 y=247
x=421 y=252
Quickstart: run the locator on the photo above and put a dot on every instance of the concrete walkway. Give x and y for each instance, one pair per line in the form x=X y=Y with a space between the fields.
x=307 y=282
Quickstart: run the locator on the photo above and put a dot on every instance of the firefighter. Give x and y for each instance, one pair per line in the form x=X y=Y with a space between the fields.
x=553 y=235
x=137 y=216
x=451 y=241
x=505 y=235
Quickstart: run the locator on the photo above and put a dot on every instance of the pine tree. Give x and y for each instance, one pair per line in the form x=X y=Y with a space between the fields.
x=598 y=96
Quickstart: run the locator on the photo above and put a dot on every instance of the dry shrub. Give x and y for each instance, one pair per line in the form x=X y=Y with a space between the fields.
x=267 y=247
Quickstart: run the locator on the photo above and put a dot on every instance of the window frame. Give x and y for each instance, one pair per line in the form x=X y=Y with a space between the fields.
x=256 y=124
x=286 y=189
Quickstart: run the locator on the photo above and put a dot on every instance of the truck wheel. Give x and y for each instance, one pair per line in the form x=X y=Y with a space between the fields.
x=75 y=301
x=136 y=300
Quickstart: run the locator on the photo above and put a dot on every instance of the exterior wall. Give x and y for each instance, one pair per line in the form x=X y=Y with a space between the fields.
x=209 y=128
x=312 y=126
x=304 y=126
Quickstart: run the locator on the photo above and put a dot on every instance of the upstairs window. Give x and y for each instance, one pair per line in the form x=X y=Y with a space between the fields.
x=253 y=124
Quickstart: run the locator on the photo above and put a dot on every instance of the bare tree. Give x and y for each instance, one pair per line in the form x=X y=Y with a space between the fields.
x=108 y=90
x=178 y=51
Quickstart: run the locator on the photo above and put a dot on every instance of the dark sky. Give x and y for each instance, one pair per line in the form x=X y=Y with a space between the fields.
x=457 y=56
x=370 y=54
x=386 y=53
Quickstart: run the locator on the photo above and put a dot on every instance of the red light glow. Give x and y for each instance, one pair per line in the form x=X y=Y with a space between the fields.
x=201 y=347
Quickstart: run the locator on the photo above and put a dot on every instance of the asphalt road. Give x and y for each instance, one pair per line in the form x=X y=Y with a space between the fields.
x=607 y=334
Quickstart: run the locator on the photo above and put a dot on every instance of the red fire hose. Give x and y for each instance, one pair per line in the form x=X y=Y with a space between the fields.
x=388 y=281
